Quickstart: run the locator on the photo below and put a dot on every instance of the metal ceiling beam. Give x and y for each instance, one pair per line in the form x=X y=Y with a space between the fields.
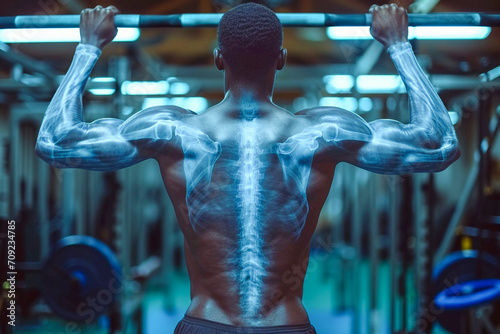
x=74 y=6
x=30 y=64
x=165 y=7
x=209 y=80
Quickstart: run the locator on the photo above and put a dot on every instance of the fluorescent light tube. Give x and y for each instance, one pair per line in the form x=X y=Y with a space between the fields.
x=346 y=33
x=338 y=83
x=347 y=103
x=366 y=84
x=365 y=104
x=103 y=79
x=144 y=87
x=196 y=104
x=102 y=91
x=59 y=35
x=449 y=32
x=155 y=102
x=179 y=88
x=422 y=32
x=100 y=83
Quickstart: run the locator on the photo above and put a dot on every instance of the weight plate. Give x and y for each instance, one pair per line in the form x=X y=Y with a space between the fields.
x=457 y=268
x=81 y=278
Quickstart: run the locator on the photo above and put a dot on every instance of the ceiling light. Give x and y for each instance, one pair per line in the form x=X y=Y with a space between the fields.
x=338 y=83
x=449 y=32
x=154 y=102
x=102 y=91
x=374 y=84
x=422 y=32
x=144 y=87
x=103 y=79
x=59 y=35
x=195 y=104
x=347 y=103
x=179 y=88
x=365 y=104
x=102 y=86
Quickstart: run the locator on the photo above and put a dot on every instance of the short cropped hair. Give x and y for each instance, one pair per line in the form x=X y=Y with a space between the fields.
x=250 y=38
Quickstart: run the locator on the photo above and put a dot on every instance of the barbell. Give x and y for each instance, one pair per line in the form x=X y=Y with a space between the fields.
x=287 y=19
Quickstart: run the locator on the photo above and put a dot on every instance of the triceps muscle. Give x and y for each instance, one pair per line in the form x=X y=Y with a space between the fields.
x=65 y=140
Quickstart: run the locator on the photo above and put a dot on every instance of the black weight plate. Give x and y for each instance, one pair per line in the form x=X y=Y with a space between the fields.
x=81 y=278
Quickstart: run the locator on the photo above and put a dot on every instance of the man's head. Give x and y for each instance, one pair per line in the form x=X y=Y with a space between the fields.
x=250 y=38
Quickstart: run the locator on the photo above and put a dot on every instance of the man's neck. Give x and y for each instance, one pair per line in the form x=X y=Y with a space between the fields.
x=258 y=88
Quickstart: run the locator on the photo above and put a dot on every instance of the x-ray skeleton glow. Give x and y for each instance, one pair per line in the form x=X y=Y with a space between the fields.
x=266 y=183
x=250 y=195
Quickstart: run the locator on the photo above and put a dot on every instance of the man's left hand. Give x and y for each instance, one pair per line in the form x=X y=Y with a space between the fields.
x=97 y=26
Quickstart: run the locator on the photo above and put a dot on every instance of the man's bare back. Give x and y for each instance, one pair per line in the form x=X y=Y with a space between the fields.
x=247 y=178
x=242 y=203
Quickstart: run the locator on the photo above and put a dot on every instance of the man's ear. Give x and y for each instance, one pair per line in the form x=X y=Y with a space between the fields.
x=219 y=62
x=281 y=59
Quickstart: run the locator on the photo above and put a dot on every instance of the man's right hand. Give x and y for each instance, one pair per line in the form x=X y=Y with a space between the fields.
x=389 y=24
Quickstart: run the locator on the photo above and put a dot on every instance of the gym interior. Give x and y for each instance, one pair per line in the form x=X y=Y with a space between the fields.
x=417 y=253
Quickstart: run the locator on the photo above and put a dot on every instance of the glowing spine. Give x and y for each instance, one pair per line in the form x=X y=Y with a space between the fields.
x=249 y=193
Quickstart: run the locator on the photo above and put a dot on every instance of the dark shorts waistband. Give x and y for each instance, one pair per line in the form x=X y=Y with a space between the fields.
x=190 y=325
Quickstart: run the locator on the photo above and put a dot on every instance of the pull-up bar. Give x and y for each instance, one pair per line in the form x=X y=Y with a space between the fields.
x=287 y=19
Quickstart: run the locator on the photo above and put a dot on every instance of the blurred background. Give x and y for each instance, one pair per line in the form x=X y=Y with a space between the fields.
x=385 y=246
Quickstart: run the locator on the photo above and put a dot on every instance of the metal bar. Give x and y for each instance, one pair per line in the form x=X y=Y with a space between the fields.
x=287 y=19
x=374 y=294
x=485 y=101
x=490 y=75
x=356 y=232
x=393 y=256
x=462 y=205
x=465 y=198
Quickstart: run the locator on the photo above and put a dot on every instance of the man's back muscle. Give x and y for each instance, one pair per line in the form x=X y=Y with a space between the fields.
x=244 y=207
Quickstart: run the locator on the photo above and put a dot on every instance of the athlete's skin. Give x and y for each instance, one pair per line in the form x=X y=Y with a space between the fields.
x=247 y=178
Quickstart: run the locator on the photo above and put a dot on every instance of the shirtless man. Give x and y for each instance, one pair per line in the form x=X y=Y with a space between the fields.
x=247 y=178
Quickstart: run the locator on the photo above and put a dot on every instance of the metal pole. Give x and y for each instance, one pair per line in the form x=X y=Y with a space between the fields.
x=393 y=256
x=356 y=242
x=374 y=253
x=287 y=19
